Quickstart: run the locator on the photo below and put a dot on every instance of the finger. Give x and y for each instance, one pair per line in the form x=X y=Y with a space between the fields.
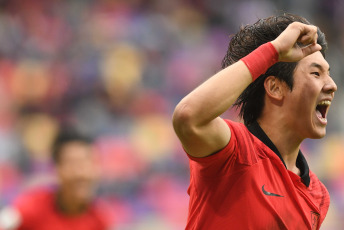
x=306 y=39
x=316 y=37
x=311 y=49
x=308 y=34
x=302 y=46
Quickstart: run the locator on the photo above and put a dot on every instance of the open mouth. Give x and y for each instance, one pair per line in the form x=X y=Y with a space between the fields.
x=322 y=109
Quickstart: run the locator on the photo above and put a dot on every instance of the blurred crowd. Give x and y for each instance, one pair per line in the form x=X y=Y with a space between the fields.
x=115 y=69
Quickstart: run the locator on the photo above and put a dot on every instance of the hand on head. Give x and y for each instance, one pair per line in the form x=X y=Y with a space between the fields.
x=296 y=42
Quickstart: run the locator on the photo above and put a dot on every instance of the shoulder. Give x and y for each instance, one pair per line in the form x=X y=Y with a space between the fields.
x=319 y=192
x=241 y=137
x=243 y=145
x=235 y=125
x=239 y=131
x=316 y=186
x=102 y=211
x=35 y=195
x=33 y=201
x=29 y=206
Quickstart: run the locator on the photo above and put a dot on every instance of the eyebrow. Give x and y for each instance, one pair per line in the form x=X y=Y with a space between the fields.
x=319 y=67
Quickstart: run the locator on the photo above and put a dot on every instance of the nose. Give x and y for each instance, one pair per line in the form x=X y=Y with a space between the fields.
x=330 y=86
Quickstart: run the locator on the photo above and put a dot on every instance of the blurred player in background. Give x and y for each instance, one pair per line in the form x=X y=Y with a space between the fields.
x=253 y=175
x=71 y=204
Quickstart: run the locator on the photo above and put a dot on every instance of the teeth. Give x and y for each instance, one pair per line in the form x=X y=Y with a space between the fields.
x=327 y=102
x=323 y=119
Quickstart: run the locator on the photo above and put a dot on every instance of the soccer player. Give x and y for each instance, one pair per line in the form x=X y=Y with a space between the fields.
x=253 y=175
x=71 y=204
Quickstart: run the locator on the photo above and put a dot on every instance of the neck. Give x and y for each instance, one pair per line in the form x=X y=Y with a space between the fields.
x=285 y=141
x=67 y=204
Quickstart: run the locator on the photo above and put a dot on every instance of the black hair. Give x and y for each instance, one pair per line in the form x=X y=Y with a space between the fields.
x=66 y=136
x=250 y=37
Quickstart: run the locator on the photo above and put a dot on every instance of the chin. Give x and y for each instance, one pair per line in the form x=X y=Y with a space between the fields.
x=83 y=196
x=318 y=134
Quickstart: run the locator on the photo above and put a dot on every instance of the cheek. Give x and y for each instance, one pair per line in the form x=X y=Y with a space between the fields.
x=95 y=175
x=90 y=176
x=89 y=170
x=65 y=177
x=305 y=102
x=304 y=98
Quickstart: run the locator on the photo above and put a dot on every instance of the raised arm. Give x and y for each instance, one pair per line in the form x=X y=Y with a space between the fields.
x=196 y=118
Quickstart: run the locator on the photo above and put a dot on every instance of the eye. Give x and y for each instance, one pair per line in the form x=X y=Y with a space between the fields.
x=316 y=73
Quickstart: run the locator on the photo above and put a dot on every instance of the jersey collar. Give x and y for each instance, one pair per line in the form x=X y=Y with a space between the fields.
x=301 y=162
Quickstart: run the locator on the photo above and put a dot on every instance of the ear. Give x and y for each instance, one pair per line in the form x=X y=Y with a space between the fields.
x=274 y=88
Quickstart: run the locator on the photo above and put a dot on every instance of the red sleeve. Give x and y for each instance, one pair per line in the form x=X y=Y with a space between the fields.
x=27 y=205
x=238 y=150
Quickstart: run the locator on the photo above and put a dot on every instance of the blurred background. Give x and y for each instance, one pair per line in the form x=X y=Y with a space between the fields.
x=116 y=69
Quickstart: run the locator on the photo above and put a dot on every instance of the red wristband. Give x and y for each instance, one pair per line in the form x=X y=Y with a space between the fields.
x=261 y=59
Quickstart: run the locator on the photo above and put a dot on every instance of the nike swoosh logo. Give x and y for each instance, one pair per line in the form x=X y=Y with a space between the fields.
x=270 y=193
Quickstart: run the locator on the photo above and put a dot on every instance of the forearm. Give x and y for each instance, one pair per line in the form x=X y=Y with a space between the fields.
x=216 y=95
x=196 y=118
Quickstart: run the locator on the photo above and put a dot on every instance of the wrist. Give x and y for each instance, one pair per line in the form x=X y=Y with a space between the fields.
x=261 y=59
x=274 y=43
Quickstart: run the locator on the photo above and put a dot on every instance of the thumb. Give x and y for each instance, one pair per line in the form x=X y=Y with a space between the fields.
x=311 y=49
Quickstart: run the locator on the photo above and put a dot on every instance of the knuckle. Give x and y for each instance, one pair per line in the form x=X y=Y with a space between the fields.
x=294 y=24
x=315 y=29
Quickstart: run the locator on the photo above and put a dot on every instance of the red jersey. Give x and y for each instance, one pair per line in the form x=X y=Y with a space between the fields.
x=246 y=185
x=38 y=211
